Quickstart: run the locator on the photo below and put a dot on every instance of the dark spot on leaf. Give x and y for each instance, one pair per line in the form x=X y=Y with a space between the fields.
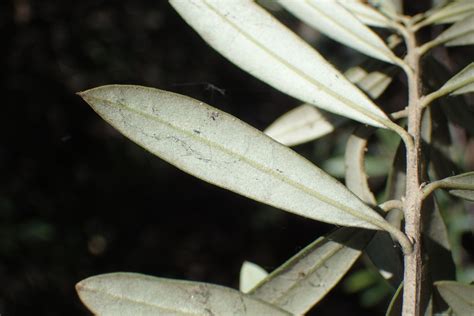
x=214 y=115
x=197 y=131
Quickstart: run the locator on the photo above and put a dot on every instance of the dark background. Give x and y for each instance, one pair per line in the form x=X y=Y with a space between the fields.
x=77 y=199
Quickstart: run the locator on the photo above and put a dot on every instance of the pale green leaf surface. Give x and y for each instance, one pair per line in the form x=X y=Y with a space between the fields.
x=460 y=181
x=451 y=13
x=302 y=124
x=460 y=297
x=306 y=123
x=389 y=7
x=462 y=82
x=222 y=150
x=336 y=22
x=250 y=275
x=459 y=34
x=251 y=38
x=131 y=294
x=365 y=13
x=463 y=194
x=308 y=276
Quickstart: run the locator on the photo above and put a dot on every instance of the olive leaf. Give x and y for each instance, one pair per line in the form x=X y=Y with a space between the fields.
x=220 y=149
x=391 y=8
x=460 y=297
x=460 y=33
x=137 y=294
x=250 y=275
x=307 y=277
x=251 y=38
x=461 y=185
x=336 y=22
x=462 y=82
x=306 y=123
x=366 y=13
x=452 y=12
x=302 y=124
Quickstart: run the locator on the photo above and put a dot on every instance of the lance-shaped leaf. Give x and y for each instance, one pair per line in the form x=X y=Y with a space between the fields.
x=302 y=124
x=453 y=12
x=137 y=294
x=456 y=109
x=459 y=34
x=365 y=13
x=306 y=123
x=461 y=185
x=390 y=8
x=250 y=275
x=255 y=41
x=307 y=277
x=463 y=82
x=222 y=150
x=336 y=22
x=460 y=297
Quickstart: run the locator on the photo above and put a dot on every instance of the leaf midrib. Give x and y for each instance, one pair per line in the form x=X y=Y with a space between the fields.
x=371 y=220
x=300 y=73
x=348 y=30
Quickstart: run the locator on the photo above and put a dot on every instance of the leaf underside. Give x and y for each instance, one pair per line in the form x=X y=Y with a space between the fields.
x=308 y=276
x=222 y=150
x=255 y=41
x=130 y=294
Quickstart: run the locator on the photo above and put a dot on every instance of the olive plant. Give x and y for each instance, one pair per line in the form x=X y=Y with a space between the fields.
x=220 y=149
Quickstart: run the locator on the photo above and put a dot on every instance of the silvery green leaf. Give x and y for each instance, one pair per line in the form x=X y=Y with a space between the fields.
x=463 y=181
x=461 y=185
x=220 y=149
x=302 y=124
x=307 y=277
x=460 y=297
x=463 y=194
x=462 y=82
x=365 y=13
x=306 y=123
x=389 y=7
x=255 y=41
x=459 y=34
x=336 y=22
x=453 y=12
x=456 y=110
x=355 y=175
x=136 y=294
x=250 y=275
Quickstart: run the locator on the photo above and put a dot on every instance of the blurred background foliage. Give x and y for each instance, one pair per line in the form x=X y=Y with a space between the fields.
x=78 y=199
